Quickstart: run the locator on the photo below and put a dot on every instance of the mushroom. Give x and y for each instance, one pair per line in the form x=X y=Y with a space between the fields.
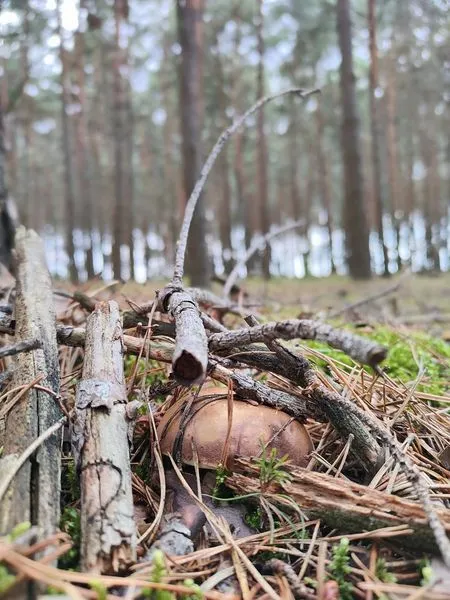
x=253 y=426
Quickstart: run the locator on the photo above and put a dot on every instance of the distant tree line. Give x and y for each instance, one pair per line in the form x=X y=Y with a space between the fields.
x=108 y=110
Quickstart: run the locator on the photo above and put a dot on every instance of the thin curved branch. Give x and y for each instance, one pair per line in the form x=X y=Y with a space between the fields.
x=193 y=199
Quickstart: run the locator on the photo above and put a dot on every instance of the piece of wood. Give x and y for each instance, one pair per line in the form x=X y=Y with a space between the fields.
x=190 y=356
x=347 y=506
x=34 y=493
x=100 y=446
x=360 y=349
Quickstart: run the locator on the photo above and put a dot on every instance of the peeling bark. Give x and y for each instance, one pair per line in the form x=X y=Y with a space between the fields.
x=100 y=446
x=34 y=493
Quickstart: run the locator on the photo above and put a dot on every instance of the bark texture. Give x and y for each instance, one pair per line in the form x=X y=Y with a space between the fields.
x=100 y=445
x=34 y=493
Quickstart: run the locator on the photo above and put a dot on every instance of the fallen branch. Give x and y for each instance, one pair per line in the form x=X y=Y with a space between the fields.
x=244 y=386
x=100 y=447
x=23 y=346
x=361 y=350
x=346 y=506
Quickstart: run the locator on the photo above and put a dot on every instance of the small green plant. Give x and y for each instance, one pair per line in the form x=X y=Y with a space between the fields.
x=382 y=573
x=220 y=489
x=254 y=518
x=340 y=568
x=159 y=571
x=71 y=524
x=7 y=579
x=426 y=572
x=272 y=468
x=100 y=589
x=197 y=593
x=73 y=481
x=19 y=530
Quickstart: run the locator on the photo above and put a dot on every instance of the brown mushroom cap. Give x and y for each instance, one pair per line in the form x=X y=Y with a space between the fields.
x=251 y=427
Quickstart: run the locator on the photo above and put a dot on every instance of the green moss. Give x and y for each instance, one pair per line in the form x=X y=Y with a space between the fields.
x=406 y=356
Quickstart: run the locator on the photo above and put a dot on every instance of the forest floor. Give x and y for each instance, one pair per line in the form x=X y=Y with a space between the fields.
x=335 y=529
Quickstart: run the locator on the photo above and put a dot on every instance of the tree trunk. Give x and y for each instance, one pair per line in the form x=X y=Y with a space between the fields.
x=242 y=197
x=262 y=204
x=26 y=117
x=68 y=173
x=120 y=217
x=224 y=180
x=190 y=36
x=7 y=220
x=128 y=126
x=84 y=167
x=324 y=180
x=392 y=151
x=375 y=134
x=354 y=213
x=296 y=200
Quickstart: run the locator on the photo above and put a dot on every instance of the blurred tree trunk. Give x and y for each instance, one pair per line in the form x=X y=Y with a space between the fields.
x=375 y=134
x=324 y=179
x=171 y=176
x=190 y=37
x=67 y=154
x=84 y=165
x=431 y=255
x=129 y=180
x=7 y=219
x=99 y=115
x=122 y=206
x=26 y=117
x=310 y=192
x=244 y=215
x=224 y=166
x=392 y=150
x=295 y=195
x=354 y=212
x=262 y=204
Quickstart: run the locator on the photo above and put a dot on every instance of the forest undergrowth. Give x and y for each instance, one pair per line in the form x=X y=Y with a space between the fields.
x=330 y=528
